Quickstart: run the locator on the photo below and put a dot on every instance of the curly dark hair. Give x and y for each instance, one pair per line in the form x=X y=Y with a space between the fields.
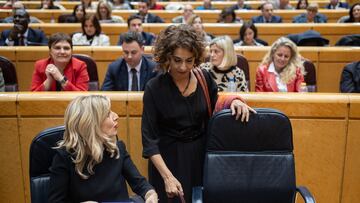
x=178 y=36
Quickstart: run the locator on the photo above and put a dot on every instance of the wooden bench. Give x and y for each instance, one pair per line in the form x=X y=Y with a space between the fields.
x=208 y=16
x=216 y=4
x=329 y=61
x=267 y=32
x=325 y=129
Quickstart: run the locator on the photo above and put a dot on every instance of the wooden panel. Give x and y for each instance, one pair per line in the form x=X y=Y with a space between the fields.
x=11 y=182
x=25 y=72
x=351 y=186
x=319 y=148
x=135 y=105
x=328 y=76
x=354 y=106
x=297 y=105
x=333 y=55
x=8 y=52
x=28 y=129
x=135 y=146
x=8 y=104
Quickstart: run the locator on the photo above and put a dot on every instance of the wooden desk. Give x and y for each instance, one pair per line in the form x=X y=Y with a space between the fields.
x=325 y=136
x=267 y=32
x=329 y=61
x=207 y=16
x=216 y=4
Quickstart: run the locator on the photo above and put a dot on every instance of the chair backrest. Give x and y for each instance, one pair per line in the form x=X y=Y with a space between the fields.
x=249 y=162
x=310 y=77
x=243 y=63
x=349 y=40
x=9 y=74
x=41 y=156
x=92 y=71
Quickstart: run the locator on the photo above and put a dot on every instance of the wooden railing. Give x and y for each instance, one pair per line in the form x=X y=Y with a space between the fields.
x=329 y=61
x=325 y=129
x=207 y=16
x=216 y=4
x=267 y=32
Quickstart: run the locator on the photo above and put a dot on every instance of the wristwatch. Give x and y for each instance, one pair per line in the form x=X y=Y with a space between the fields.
x=63 y=81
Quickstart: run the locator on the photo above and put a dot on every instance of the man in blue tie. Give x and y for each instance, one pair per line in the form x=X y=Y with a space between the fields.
x=132 y=71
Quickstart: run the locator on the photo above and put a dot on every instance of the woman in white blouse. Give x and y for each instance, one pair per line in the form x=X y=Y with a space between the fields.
x=91 y=35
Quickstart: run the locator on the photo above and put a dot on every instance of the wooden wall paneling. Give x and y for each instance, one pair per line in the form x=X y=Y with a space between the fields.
x=11 y=182
x=351 y=185
x=319 y=149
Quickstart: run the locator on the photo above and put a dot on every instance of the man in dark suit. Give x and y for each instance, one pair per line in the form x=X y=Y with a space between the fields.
x=135 y=25
x=20 y=34
x=133 y=71
x=240 y=5
x=144 y=6
x=335 y=4
x=267 y=16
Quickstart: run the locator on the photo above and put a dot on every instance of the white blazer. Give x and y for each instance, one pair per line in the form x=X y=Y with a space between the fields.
x=80 y=39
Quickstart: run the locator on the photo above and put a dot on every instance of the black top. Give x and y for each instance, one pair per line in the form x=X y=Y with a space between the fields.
x=350 y=78
x=169 y=116
x=174 y=126
x=107 y=184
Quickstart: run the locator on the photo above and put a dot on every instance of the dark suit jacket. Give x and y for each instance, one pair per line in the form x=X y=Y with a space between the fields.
x=341 y=5
x=152 y=18
x=147 y=39
x=35 y=37
x=260 y=19
x=117 y=77
x=236 y=7
x=350 y=78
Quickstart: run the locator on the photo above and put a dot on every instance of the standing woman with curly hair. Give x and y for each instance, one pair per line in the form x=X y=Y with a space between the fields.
x=175 y=113
x=90 y=164
x=281 y=69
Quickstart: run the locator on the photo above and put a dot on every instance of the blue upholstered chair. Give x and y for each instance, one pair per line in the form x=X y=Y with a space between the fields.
x=250 y=162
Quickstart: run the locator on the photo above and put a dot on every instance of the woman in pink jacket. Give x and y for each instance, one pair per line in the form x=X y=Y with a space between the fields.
x=281 y=69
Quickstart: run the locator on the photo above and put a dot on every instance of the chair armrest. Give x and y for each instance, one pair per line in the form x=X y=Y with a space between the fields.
x=306 y=195
x=197 y=194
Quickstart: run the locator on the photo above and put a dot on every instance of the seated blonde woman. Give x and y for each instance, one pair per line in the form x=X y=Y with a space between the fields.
x=281 y=69
x=222 y=65
x=90 y=164
x=104 y=13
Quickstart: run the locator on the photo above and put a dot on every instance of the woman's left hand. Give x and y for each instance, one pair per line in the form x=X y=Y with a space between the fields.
x=238 y=108
x=151 y=197
x=54 y=71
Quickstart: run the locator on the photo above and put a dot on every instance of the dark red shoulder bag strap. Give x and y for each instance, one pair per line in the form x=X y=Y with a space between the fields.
x=202 y=81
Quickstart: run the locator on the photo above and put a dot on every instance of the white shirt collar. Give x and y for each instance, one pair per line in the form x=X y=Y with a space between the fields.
x=136 y=67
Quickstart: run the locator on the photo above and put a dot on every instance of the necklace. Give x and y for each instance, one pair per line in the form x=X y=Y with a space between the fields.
x=187 y=85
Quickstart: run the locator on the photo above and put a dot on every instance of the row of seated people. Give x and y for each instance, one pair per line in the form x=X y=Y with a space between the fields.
x=228 y=15
x=282 y=68
x=165 y=5
x=22 y=34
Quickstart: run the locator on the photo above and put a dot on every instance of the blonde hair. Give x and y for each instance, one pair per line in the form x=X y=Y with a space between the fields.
x=226 y=44
x=83 y=137
x=289 y=72
x=108 y=7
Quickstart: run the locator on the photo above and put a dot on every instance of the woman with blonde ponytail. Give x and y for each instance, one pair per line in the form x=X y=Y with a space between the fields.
x=90 y=164
x=281 y=69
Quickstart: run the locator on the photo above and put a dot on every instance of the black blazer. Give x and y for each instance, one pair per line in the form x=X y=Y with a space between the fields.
x=260 y=19
x=117 y=77
x=350 y=78
x=35 y=38
x=152 y=18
